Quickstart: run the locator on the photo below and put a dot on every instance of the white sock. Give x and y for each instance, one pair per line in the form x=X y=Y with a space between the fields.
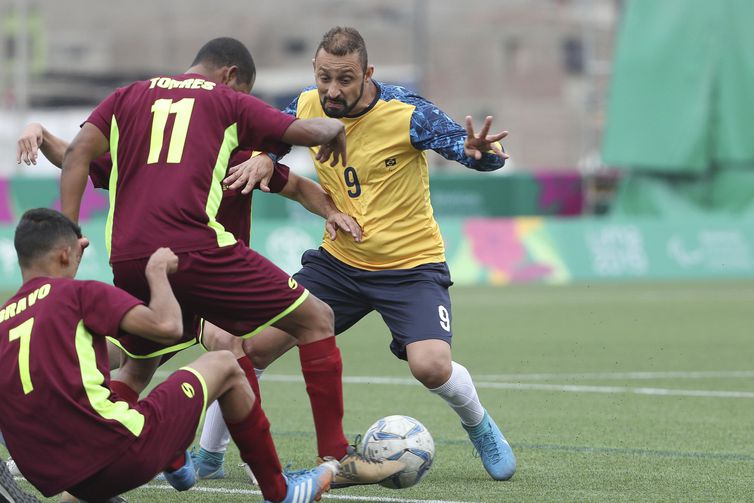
x=259 y=372
x=461 y=395
x=215 y=434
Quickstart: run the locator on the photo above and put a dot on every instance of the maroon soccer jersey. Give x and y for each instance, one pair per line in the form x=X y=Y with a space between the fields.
x=170 y=140
x=99 y=171
x=60 y=421
x=235 y=208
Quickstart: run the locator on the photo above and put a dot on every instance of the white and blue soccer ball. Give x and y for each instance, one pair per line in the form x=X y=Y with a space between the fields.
x=403 y=439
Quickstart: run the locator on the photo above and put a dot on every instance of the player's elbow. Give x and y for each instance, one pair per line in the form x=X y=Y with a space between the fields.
x=74 y=159
x=292 y=188
x=168 y=331
x=68 y=155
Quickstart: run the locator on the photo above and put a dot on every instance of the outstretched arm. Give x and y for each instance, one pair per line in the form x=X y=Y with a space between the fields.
x=329 y=134
x=433 y=129
x=315 y=199
x=290 y=110
x=34 y=138
x=88 y=144
x=306 y=192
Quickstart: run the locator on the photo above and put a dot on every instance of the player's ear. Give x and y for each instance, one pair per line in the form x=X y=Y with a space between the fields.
x=64 y=255
x=230 y=73
x=370 y=71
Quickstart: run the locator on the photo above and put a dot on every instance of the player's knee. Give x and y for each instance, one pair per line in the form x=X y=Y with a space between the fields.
x=259 y=359
x=236 y=376
x=431 y=372
x=268 y=346
x=317 y=321
x=212 y=338
x=137 y=373
x=325 y=319
x=215 y=339
x=223 y=360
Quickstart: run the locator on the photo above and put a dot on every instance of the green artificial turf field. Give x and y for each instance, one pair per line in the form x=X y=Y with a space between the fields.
x=631 y=392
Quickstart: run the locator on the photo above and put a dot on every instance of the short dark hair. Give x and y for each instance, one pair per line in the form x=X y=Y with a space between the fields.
x=343 y=40
x=226 y=51
x=41 y=230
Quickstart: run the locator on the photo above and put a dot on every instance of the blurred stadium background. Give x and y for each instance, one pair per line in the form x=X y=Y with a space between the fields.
x=540 y=68
x=630 y=121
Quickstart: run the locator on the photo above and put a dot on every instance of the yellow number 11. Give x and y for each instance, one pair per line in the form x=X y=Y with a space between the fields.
x=161 y=109
x=23 y=334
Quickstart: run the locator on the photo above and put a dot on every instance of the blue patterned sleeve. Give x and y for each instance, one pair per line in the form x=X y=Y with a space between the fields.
x=290 y=110
x=292 y=107
x=432 y=129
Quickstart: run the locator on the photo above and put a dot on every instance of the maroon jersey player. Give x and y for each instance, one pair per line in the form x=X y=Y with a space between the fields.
x=234 y=214
x=58 y=409
x=170 y=139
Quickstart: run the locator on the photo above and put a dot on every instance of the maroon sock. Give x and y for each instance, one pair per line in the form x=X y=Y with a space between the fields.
x=323 y=369
x=177 y=463
x=124 y=392
x=252 y=437
x=251 y=376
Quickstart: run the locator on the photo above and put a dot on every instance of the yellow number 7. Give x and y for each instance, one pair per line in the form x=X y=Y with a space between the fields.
x=161 y=109
x=23 y=333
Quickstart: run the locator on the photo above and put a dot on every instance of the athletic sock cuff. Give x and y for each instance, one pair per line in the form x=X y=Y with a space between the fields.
x=317 y=350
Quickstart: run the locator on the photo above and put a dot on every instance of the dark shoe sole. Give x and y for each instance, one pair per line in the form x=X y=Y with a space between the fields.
x=9 y=490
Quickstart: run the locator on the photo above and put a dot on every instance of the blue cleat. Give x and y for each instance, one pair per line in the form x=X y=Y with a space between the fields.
x=184 y=478
x=305 y=486
x=209 y=465
x=497 y=456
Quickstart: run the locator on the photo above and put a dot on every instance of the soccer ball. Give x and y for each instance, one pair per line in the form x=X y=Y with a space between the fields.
x=404 y=439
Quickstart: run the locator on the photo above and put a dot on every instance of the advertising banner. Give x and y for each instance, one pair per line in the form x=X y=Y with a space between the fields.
x=503 y=251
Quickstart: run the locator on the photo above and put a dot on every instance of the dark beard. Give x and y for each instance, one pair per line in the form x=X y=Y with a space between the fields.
x=346 y=107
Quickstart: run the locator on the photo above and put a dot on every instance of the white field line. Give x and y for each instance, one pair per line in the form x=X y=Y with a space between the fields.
x=340 y=497
x=573 y=388
x=550 y=297
x=672 y=374
x=518 y=386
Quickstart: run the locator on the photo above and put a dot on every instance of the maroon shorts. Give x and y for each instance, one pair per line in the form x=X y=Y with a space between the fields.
x=172 y=412
x=232 y=287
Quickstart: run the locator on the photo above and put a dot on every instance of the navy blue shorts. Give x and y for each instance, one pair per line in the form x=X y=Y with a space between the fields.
x=414 y=303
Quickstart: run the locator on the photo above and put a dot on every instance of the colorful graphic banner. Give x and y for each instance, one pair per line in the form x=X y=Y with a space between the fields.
x=19 y=194
x=471 y=194
x=504 y=251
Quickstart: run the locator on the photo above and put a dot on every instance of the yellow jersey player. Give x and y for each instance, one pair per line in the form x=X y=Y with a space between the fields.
x=398 y=268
